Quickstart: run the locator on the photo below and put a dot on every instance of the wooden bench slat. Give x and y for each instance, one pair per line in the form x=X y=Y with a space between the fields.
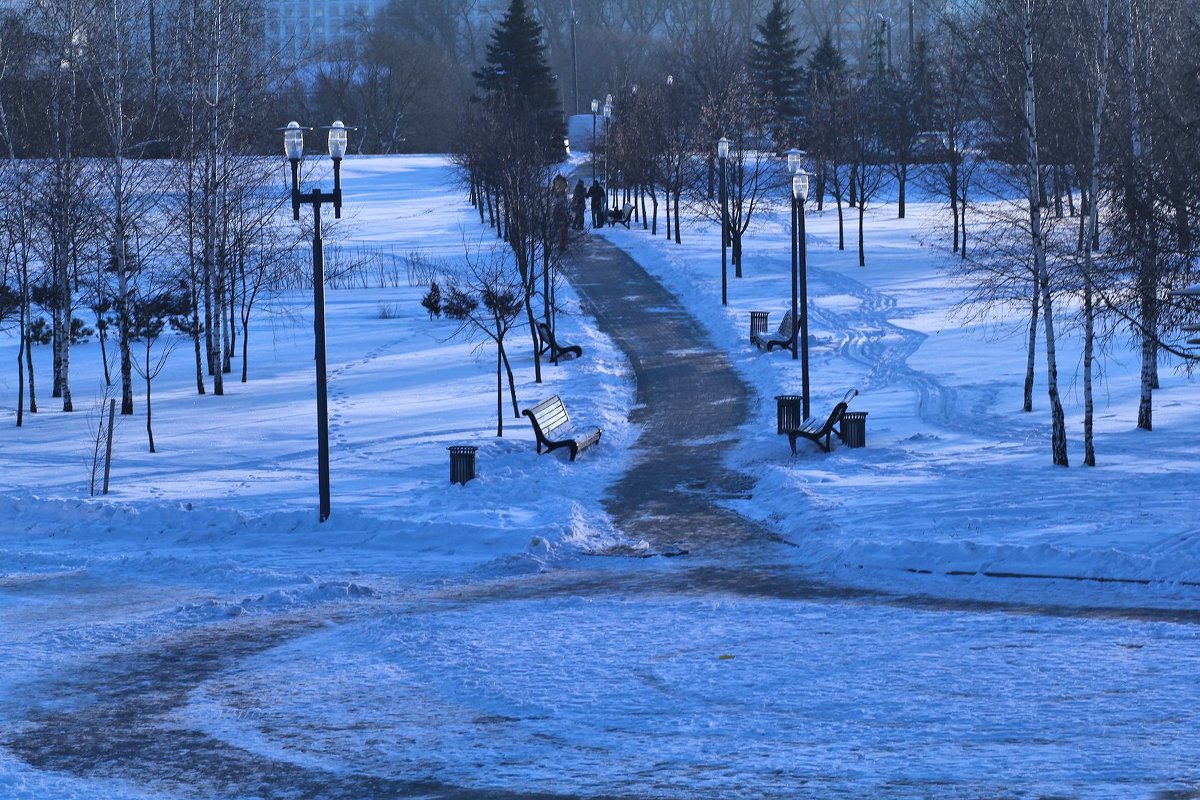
x=781 y=338
x=548 y=341
x=809 y=430
x=624 y=216
x=552 y=427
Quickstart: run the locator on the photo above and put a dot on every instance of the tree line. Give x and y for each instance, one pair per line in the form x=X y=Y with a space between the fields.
x=1060 y=134
x=133 y=196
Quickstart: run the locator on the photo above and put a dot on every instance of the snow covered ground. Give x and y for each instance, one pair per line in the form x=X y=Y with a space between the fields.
x=462 y=637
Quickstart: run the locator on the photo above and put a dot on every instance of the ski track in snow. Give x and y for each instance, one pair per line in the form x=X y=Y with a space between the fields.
x=873 y=341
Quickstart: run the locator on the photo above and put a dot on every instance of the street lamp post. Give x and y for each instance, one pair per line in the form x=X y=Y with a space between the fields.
x=607 y=120
x=799 y=273
x=293 y=145
x=595 y=108
x=722 y=156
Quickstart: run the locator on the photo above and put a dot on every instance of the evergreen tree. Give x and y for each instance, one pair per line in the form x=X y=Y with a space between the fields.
x=824 y=131
x=827 y=84
x=827 y=67
x=518 y=75
x=776 y=70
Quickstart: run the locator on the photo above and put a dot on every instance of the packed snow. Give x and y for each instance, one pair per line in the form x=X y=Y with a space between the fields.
x=467 y=636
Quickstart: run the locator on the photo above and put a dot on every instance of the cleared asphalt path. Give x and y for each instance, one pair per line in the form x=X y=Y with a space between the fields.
x=690 y=404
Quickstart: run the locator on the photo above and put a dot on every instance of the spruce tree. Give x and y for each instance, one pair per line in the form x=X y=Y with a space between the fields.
x=775 y=68
x=518 y=76
x=827 y=68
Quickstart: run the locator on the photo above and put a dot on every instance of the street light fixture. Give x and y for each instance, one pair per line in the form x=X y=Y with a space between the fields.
x=293 y=146
x=799 y=346
x=723 y=156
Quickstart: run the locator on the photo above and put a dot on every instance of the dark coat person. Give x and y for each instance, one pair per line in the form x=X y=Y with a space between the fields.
x=598 y=197
x=578 y=204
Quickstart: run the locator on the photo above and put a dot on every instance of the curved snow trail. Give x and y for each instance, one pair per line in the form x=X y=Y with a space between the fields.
x=119 y=721
x=872 y=340
x=631 y=684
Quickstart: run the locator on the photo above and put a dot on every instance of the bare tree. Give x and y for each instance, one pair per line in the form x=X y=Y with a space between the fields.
x=149 y=313
x=487 y=298
x=62 y=182
x=121 y=88
x=863 y=155
x=500 y=152
x=1024 y=16
x=752 y=175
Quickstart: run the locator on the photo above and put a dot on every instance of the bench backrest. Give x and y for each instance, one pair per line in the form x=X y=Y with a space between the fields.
x=627 y=211
x=839 y=411
x=550 y=415
x=786 y=325
x=545 y=333
x=835 y=417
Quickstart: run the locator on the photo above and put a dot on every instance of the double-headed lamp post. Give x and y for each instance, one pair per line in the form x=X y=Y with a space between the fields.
x=799 y=272
x=595 y=108
x=293 y=146
x=723 y=156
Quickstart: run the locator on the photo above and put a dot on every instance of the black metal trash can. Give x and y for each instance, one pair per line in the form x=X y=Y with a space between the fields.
x=758 y=323
x=854 y=428
x=462 y=463
x=787 y=413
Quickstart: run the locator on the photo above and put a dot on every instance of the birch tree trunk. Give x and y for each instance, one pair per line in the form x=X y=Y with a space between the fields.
x=1145 y=235
x=1058 y=435
x=1035 y=308
x=1089 y=310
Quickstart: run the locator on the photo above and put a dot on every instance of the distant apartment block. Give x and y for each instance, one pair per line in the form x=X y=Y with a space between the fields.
x=313 y=28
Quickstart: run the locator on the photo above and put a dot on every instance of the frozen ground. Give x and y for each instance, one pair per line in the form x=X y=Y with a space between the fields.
x=198 y=633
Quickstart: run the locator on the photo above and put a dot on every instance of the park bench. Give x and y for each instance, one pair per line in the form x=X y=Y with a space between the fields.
x=547 y=342
x=813 y=430
x=623 y=216
x=553 y=429
x=782 y=337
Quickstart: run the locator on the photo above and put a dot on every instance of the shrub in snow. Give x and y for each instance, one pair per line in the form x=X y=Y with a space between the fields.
x=432 y=301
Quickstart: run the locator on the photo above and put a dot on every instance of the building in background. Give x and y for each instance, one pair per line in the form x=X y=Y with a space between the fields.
x=303 y=29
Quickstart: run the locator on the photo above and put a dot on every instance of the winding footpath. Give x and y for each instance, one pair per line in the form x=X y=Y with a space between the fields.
x=690 y=403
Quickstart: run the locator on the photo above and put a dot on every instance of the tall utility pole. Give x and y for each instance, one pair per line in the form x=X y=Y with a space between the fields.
x=574 y=61
x=912 y=29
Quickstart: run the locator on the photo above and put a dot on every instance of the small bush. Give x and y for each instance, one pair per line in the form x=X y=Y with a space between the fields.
x=432 y=301
x=40 y=331
x=389 y=311
x=459 y=304
x=80 y=332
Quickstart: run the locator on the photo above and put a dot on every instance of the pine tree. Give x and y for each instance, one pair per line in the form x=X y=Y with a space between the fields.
x=827 y=69
x=518 y=74
x=432 y=301
x=775 y=68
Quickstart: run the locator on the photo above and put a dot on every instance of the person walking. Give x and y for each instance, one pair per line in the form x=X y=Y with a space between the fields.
x=578 y=205
x=561 y=209
x=598 y=197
